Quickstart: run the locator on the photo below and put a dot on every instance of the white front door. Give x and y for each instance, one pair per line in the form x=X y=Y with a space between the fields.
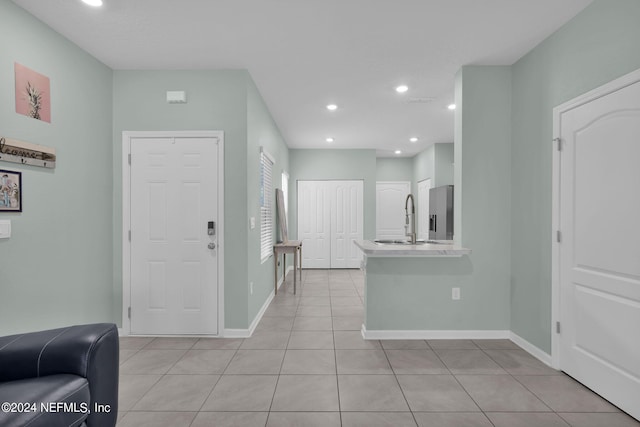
x=314 y=223
x=346 y=223
x=390 y=213
x=599 y=252
x=174 y=267
x=423 y=209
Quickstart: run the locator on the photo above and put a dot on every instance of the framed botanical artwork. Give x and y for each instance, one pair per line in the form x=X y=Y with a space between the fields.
x=10 y=191
x=33 y=93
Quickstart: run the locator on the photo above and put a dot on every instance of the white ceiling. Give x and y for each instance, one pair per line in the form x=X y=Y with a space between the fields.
x=305 y=54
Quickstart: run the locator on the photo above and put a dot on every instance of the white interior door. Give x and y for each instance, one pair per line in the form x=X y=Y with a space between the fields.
x=346 y=223
x=423 y=209
x=599 y=253
x=390 y=213
x=314 y=223
x=174 y=273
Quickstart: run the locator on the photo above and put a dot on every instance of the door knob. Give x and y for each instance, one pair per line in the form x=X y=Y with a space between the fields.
x=211 y=245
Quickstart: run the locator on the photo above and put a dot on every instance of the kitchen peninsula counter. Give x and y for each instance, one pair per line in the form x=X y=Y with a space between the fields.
x=373 y=249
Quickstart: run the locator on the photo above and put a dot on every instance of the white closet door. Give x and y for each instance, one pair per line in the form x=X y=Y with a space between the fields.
x=423 y=209
x=314 y=223
x=390 y=214
x=346 y=223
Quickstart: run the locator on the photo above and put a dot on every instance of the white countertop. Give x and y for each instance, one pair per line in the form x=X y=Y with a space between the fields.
x=373 y=249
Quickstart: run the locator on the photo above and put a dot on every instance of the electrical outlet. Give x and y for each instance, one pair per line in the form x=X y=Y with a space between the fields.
x=455 y=293
x=251 y=288
x=252 y=222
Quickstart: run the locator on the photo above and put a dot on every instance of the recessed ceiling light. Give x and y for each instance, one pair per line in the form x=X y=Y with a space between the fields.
x=413 y=139
x=452 y=106
x=332 y=107
x=402 y=88
x=329 y=139
x=94 y=3
x=398 y=152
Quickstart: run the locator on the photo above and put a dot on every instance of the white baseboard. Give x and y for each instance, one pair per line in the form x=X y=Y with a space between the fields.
x=433 y=334
x=122 y=333
x=246 y=333
x=531 y=349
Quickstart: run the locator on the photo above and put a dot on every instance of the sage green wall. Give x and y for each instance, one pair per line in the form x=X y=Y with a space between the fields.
x=217 y=100
x=56 y=267
x=443 y=164
x=484 y=187
x=423 y=167
x=262 y=131
x=415 y=294
x=597 y=46
x=394 y=169
x=334 y=165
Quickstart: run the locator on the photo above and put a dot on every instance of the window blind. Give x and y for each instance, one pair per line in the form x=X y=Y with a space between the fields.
x=266 y=205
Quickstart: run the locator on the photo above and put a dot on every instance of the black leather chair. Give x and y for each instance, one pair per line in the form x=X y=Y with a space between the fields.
x=60 y=377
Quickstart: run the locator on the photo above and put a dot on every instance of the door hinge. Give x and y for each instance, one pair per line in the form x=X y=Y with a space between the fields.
x=558 y=236
x=559 y=141
x=129 y=235
x=129 y=158
x=557 y=327
x=129 y=312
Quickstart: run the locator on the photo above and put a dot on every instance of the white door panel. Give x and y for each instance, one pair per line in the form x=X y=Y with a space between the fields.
x=600 y=250
x=423 y=209
x=346 y=223
x=173 y=272
x=390 y=213
x=314 y=224
x=329 y=220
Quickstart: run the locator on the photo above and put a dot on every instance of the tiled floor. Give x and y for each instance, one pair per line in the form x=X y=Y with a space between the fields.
x=307 y=365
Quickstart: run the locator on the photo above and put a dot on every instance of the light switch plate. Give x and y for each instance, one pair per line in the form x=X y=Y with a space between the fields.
x=252 y=222
x=5 y=229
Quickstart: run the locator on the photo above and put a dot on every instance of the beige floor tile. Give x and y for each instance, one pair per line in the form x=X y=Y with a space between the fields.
x=274 y=323
x=177 y=393
x=306 y=393
x=368 y=362
x=585 y=419
x=131 y=388
x=203 y=362
x=347 y=323
x=267 y=340
x=352 y=340
x=230 y=419
x=452 y=419
x=309 y=362
x=314 y=311
x=157 y=419
x=377 y=393
x=217 y=344
x=311 y=340
x=256 y=362
x=452 y=344
x=496 y=344
x=526 y=419
x=415 y=362
x=469 y=362
x=519 y=362
x=242 y=393
x=501 y=393
x=564 y=394
x=312 y=324
x=134 y=343
x=435 y=393
x=178 y=343
x=404 y=344
x=306 y=419
x=378 y=419
x=151 y=361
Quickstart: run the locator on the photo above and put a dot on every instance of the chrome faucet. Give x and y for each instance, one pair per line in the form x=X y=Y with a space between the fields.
x=412 y=225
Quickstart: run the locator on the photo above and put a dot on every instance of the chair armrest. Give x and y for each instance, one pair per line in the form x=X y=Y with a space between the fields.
x=89 y=351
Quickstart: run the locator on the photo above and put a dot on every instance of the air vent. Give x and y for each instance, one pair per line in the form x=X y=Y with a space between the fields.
x=421 y=100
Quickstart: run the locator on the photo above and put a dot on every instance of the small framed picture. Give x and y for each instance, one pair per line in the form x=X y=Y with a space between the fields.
x=10 y=191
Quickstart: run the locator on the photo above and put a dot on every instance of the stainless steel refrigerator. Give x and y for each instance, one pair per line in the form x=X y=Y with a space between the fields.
x=441 y=213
